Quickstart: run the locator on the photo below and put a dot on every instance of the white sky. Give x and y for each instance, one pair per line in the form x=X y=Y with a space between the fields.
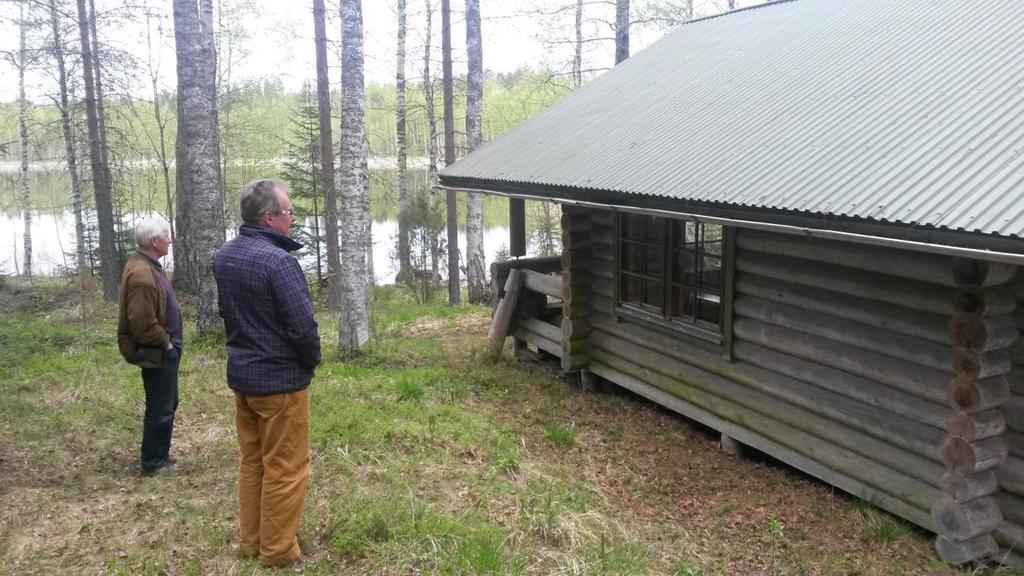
x=279 y=39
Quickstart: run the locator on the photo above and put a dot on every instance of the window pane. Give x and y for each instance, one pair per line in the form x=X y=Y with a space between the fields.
x=630 y=288
x=630 y=257
x=654 y=266
x=682 y=302
x=654 y=294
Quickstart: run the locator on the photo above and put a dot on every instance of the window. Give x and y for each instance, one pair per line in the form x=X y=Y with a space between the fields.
x=672 y=270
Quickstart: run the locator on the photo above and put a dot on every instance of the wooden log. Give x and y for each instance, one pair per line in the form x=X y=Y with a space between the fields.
x=966 y=457
x=1013 y=410
x=575 y=329
x=1010 y=537
x=693 y=384
x=980 y=334
x=602 y=287
x=911 y=293
x=967 y=487
x=903 y=419
x=867 y=482
x=957 y=553
x=1014 y=441
x=963 y=521
x=543 y=283
x=972 y=396
x=550 y=346
x=729 y=445
x=572 y=360
x=531 y=304
x=972 y=365
x=911 y=378
x=930 y=326
x=1011 y=475
x=868 y=394
x=503 y=314
x=977 y=426
x=856 y=334
x=1012 y=506
x=933 y=268
x=605 y=217
x=541 y=328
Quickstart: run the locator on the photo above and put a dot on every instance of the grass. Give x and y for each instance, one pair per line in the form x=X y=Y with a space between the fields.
x=425 y=459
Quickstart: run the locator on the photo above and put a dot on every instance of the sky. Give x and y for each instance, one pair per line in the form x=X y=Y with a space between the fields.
x=276 y=40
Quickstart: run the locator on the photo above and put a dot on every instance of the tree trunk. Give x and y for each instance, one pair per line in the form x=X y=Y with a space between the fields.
x=621 y=30
x=201 y=205
x=451 y=202
x=428 y=98
x=475 y=265
x=69 y=141
x=100 y=175
x=371 y=276
x=353 y=320
x=323 y=96
x=101 y=113
x=404 y=259
x=26 y=198
x=577 y=58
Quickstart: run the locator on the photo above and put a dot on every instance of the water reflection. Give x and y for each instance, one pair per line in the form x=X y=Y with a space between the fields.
x=53 y=244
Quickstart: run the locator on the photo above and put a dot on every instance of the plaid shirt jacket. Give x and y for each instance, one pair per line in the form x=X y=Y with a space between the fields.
x=272 y=338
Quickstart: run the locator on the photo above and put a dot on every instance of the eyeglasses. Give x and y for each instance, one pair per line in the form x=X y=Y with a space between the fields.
x=286 y=212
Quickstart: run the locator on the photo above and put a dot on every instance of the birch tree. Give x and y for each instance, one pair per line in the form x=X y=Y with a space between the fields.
x=428 y=98
x=404 y=263
x=323 y=96
x=353 y=320
x=451 y=206
x=621 y=30
x=200 y=203
x=100 y=173
x=476 y=275
x=26 y=198
x=67 y=131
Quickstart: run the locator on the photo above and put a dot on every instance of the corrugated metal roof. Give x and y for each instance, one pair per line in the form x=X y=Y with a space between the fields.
x=906 y=111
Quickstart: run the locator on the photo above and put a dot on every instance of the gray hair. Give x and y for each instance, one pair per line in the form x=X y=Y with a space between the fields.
x=151 y=228
x=260 y=196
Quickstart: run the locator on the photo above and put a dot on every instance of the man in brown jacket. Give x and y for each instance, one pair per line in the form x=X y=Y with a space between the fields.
x=149 y=335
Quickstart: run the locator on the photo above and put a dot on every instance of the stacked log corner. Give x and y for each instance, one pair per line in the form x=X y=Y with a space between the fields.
x=981 y=330
x=575 y=287
x=1010 y=475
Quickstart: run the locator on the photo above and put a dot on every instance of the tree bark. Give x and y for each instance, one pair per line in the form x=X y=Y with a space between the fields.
x=404 y=258
x=428 y=98
x=323 y=95
x=26 y=197
x=201 y=205
x=577 y=58
x=451 y=202
x=100 y=175
x=476 y=275
x=353 y=321
x=69 y=141
x=621 y=30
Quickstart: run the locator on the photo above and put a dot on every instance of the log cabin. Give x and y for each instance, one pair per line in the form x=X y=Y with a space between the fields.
x=800 y=224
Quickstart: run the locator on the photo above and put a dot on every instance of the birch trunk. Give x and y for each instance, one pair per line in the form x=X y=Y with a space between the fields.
x=26 y=198
x=323 y=96
x=621 y=30
x=371 y=276
x=476 y=275
x=201 y=206
x=404 y=259
x=69 y=141
x=451 y=201
x=353 y=320
x=100 y=176
x=577 y=57
x=428 y=98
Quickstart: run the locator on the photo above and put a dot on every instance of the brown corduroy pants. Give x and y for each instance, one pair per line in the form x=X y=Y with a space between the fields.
x=273 y=471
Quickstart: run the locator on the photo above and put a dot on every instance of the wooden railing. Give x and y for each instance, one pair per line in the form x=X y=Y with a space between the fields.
x=528 y=297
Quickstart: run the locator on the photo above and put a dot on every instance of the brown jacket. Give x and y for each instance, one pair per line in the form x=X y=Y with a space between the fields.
x=141 y=337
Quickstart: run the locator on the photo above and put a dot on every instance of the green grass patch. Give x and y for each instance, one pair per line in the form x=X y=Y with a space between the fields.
x=560 y=435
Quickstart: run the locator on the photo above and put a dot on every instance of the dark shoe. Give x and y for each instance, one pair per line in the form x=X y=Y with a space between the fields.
x=166 y=470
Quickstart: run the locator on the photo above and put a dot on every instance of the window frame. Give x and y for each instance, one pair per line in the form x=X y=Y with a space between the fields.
x=716 y=336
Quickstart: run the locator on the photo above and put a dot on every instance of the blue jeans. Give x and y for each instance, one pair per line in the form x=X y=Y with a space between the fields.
x=161 y=386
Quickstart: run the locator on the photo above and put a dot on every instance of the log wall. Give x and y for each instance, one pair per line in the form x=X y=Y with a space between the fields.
x=1010 y=476
x=846 y=362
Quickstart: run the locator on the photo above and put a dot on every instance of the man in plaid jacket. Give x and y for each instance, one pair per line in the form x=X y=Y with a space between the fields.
x=273 y=347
